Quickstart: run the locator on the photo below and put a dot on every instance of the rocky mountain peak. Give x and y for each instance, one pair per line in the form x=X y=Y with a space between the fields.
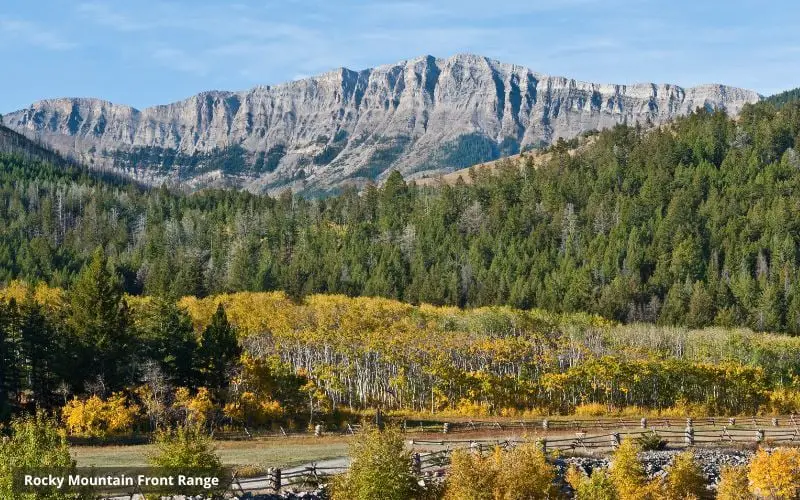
x=421 y=116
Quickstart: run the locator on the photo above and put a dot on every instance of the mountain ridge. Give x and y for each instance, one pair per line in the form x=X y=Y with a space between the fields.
x=421 y=116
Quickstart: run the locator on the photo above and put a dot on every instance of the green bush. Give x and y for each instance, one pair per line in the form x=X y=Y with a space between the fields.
x=651 y=441
x=187 y=450
x=380 y=469
x=35 y=441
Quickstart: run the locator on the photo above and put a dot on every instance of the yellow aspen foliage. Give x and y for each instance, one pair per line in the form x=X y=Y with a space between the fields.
x=471 y=477
x=733 y=484
x=684 y=479
x=628 y=475
x=524 y=473
x=520 y=473
x=94 y=417
x=776 y=474
x=249 y=409
x=598 y=486
x=198 y=408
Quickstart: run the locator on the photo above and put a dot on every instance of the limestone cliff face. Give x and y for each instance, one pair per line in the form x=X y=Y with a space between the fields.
x=421 y=116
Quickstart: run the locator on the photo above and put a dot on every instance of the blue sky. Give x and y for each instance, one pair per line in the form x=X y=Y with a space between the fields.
x=148 y=52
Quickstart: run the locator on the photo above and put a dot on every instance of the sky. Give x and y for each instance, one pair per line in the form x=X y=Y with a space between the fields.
x=148 y=52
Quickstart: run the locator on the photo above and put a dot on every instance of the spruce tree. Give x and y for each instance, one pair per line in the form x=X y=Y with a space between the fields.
x=219 y=350
x=98 y=318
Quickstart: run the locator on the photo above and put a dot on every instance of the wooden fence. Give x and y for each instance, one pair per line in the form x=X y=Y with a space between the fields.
x=676 y=432
x=545 y=425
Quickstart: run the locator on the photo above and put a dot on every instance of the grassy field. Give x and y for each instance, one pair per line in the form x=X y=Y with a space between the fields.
x=265 y=453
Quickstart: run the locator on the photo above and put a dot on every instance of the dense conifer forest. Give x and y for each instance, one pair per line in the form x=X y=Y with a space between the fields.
x=693 y=224
x=127 y=307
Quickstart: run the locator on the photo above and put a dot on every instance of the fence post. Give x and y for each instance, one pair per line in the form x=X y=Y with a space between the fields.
x=545 y=424
x=416 y=464
x=643 y=423
x=542 y=443
x=689 y=435
x=760 y=436
x=774 y=422
x=445 y=428
x=615 y=440
x=689 y=422
x=318 y=430
x=275 y=474
x=731 y=422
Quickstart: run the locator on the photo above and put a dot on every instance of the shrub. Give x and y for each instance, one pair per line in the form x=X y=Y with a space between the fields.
x=380 y=469
x=35 y=441
x=592 y=410
x=187 y=450
x=520 y=473
x=733 y=484
x=776 y=474
x=598 y=486
x=651 y=441
x=684 y=478
x=628 y=475
x=471 y=477
x=523 y=473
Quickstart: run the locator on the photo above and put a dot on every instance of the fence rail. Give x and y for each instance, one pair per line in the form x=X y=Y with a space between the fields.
x=701 y=432
x=544 y=424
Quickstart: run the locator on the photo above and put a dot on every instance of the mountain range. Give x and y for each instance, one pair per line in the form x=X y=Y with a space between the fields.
x=423 y=117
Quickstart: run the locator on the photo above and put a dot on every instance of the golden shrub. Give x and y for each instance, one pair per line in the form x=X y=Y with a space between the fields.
x=471 y=477
x=628 y=475
x=684 y=478
x=592 y=410
x=598 y=486
x=733 y=484
x=776 y=474
x=520 y=473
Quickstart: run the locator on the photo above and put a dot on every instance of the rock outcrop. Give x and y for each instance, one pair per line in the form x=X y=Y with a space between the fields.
x=422 y=116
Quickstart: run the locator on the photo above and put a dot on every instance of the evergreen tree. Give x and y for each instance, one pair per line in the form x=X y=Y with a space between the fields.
x=218 y=351
x=170 y=340
x=98 y=317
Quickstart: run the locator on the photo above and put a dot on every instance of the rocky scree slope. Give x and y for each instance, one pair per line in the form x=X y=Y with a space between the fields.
x=422 y=117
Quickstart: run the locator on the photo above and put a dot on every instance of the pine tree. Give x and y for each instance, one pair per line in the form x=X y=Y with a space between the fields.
x=170 y=340
x=97 y=316
x=701 y=307
x=218 y=351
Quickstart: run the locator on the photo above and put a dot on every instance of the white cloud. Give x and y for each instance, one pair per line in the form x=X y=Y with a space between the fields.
x=32 y=34
x=102 y=14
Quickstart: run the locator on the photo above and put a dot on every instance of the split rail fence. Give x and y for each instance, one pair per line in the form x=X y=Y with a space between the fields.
x=676 y=432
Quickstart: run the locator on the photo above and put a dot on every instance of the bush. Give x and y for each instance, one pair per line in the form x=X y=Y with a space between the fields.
x=776 y=474
x=34 y=442
x=592 y=410
x=187 y=450
x=471 y=477
x=520 y=473
x=733 y=484
x=380 y=469
x=651 y=441
x=628 y=475
x=684 y=478
x=598 y=486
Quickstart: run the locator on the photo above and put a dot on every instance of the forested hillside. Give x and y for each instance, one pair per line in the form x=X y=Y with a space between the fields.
x=780 y=100
x=113 y=364
x=696 y=223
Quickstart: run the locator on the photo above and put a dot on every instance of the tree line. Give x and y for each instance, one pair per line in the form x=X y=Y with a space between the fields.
x=691 y=224
x=110 y=363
